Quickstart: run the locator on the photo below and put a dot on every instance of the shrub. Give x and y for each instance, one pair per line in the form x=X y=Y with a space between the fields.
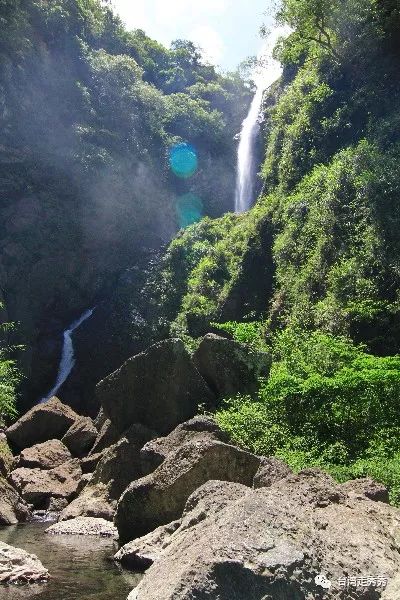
x=327 y=403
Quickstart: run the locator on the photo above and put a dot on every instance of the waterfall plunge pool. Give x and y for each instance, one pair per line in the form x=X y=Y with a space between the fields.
x=79 y=566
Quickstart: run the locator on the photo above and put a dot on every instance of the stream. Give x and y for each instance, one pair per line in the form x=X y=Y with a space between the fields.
x=80 y=566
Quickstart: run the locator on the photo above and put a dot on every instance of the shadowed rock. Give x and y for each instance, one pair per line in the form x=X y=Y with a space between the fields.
x=159 y=388
x=81 y=436
x=119 y=465
x=270 y=470
x=229 y=367
x=106 y=437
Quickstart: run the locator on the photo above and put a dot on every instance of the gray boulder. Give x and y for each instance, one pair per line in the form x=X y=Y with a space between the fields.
x=81 y=436
x=273 y=542
x=159 y=498
x=140 y=554
x=270 y=470
x=36 y=486
x=18 y=566
x=13 y=508
x=200 y=428
x=210 y=498
x=118 y=466
x=6 y=457
x=367 y=488
x=46 y=421
x=106 y=437
x=229 y=367
x=159 y=388
x=47 y=455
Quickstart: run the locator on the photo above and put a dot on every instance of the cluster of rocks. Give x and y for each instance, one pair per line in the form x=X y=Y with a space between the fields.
x=202 y=518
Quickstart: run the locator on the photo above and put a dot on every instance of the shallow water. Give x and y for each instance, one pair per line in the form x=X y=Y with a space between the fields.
x=79 y=566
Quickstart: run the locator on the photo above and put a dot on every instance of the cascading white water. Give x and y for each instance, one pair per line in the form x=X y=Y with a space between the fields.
x=270 y=71
x=67 y=361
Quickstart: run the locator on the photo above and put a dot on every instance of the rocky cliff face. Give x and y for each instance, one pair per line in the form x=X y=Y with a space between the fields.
x=88 y=116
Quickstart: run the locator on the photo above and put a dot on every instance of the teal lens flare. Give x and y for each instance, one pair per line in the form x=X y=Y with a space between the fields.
x=189 y=209
x=183 y=160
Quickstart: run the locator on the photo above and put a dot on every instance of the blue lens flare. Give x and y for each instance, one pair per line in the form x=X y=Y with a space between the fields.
x=183 y=160
x=189 y=209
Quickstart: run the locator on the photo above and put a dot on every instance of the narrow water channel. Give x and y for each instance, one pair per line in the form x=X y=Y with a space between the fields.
x=80 y=566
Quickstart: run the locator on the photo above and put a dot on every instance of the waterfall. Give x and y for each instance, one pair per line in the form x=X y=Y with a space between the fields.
x=67 y=361
x=246 y=160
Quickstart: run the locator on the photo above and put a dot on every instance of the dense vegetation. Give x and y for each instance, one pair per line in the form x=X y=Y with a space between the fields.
x=9 y=377
x=312 y=272
x=88 y=114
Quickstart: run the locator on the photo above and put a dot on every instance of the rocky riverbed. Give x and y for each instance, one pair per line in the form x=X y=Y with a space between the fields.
x=172 y=498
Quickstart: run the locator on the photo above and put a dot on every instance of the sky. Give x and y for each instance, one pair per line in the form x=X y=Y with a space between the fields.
x=226 y=30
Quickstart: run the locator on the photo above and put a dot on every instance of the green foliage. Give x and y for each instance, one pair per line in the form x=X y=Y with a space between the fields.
x=251 y=333
x=9 y=377
x=326 y=403
x=200 y=269
x=337 y=249
x=98 y=101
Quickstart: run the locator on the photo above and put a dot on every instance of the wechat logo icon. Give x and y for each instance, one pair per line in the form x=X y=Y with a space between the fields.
x=323 y=581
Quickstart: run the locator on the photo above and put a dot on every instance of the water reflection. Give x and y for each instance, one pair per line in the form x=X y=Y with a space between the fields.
x=80 y=566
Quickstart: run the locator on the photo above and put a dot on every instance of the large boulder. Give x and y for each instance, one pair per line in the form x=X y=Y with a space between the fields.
x=47 y=455
x=140 y=554
x=106 y=437
x=270 y=470
x=279 y=542
x=367 y=488
x=18 y=566
x=210 y=498
x=159 y=498
x=81 y=436
x=43 y=422
x=159 y=388
x=13 y=509
x=118 y=466
x=6 y=457
x=198 y=429
x=230 y=367
x=36 y=486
